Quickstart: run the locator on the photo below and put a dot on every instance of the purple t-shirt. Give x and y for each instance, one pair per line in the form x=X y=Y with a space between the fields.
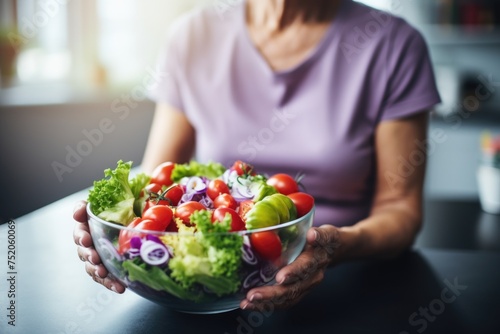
x=317 y=118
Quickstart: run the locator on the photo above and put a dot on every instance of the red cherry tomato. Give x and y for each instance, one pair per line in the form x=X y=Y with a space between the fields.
x=185 y=210
x=174 y=194
x=303 y=202
x=160 y=215
x=153 y=187
x=162 y=173
x=215 y=188
x=266 y=244
x=153 y=202
x=242 y=168
x=172 y=197
x=283 y=183
x=125 y=236
x=244 y=207
x=236 y=223
x=225 y=201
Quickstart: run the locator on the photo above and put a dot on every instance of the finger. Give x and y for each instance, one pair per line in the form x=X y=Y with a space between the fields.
x=269 y=295
x=100 y=275
x=81 y=235
x=305 y=265
x=326 y=236
x=88 y=254
x=79 y=212
x=280 y=296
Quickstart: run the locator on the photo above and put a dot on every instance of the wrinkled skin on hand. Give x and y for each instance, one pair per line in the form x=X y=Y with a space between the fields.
x=294 y=281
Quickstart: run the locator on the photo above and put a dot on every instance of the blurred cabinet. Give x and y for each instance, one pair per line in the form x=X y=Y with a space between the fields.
x=464 y=42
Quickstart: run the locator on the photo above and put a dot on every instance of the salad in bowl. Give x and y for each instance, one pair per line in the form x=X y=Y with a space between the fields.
x=196 y=237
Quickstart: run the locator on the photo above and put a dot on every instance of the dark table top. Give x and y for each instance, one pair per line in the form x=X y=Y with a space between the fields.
x=449 y=283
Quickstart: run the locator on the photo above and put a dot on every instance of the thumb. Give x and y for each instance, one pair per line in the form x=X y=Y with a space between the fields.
x=79 y=213
x=325 y=236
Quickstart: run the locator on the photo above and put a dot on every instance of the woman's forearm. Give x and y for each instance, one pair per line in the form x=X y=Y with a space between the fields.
x=384 y=234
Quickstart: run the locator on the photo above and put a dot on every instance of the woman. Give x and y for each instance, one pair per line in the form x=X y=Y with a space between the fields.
x=331 y=88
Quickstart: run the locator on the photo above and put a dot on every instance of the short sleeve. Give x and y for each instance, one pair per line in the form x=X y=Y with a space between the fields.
x=411 y=84
x=166 y=82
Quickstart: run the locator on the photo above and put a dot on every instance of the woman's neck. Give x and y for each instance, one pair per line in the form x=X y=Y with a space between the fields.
x=267 y=14
x=274 y=15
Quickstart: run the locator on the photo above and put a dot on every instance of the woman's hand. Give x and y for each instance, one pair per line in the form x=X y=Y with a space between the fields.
x=88 y=254
x=295 y=280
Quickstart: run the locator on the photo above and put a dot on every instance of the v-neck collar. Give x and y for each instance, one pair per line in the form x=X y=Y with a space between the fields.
x=322 y=44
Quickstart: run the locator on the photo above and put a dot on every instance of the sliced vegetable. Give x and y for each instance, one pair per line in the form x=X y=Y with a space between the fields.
x=154 y=253
x=263 y=214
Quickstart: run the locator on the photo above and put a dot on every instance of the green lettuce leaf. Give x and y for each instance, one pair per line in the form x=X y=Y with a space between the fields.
x=210 y=170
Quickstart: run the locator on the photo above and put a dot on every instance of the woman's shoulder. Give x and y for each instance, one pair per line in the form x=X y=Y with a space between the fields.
x=378 y=25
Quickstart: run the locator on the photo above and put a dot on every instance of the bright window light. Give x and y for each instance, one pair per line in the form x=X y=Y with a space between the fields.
x=379 y=4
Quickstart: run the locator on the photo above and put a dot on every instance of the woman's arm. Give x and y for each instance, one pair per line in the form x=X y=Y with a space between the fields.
x=396 y=215
x=391 y=227
x=172 y=138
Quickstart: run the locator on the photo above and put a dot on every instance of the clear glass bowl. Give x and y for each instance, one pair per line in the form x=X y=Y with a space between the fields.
x=253 y=270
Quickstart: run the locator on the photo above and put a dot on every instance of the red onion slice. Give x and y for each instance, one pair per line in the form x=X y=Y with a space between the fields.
x=196 y=185
x=252 y=280
x=154 y=253
x=241 y=191
x=246 y=252
x=268 y=272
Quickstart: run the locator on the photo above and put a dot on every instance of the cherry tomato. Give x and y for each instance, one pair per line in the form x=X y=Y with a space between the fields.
x=174 y=194
x=161 y=174
x=266 y=244
x=236 y=223
x=216 y=187
x=283 y=183
x=303 y=202
x=172 y=197
x=185 y=210
x=225 y=201
x=244 y=207
x=153 y=187
x=153 y=202
x=242 y=168
x=151 y=225
x=160 y=215
x=125 y=236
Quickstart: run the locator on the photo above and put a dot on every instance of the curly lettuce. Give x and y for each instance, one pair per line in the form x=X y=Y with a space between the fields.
x=207 y=257
x=113 y=197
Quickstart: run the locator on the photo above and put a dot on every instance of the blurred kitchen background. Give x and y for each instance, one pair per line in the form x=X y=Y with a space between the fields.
x=74 y=75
